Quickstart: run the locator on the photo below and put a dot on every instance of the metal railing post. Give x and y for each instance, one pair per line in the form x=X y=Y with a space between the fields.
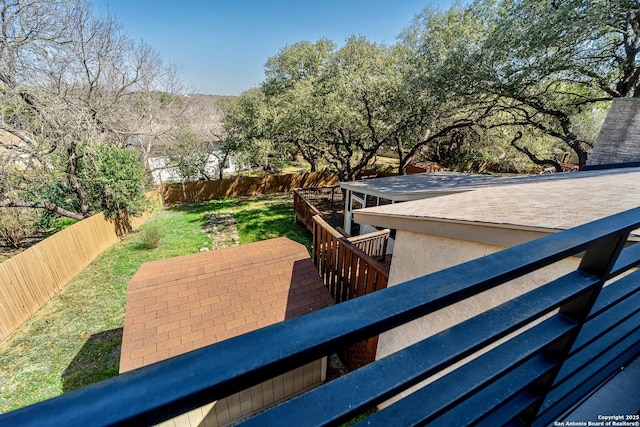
x=597 y=261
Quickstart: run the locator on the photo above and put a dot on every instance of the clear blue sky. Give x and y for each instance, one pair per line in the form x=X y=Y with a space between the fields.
x=221 y=46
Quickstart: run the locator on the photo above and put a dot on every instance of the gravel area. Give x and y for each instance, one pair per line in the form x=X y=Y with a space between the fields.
x=222 y=230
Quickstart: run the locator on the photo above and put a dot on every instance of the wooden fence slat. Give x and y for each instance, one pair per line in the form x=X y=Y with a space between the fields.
x=29 y=279
x=346 y=267
x=332 y=256
x=247 y=186
x=372 y=277
x=9 y=304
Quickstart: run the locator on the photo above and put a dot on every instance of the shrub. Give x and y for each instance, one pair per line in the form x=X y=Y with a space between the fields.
x=114 y=181
x=150 y=237
x=14 y=227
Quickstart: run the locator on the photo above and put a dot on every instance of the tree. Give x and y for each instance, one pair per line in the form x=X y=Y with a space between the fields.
x=294 y=94
x=342 y=105
x=429 y=119
x=69 y=82
x=190 y=155
x=323 y=102
x=245 y=126
x=544 y=65
x=114 y=180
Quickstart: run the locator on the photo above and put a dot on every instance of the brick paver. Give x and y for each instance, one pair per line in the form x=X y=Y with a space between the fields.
x=184 y=303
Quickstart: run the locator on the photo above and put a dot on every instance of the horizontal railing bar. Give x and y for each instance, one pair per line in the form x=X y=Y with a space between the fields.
x=606 y=321
x=407 y=367
x=440 y=395
x=507 y=414
x=325 y=189
x=369 y=236
x=615 y=292
x=589 y=353
x=582 y=370
x=196 y=378
x=628 y=258
x=482 y=404
x=552 y=411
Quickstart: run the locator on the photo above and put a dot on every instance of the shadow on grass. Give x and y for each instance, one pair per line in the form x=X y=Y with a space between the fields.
x=97 y=360
x=275 y=221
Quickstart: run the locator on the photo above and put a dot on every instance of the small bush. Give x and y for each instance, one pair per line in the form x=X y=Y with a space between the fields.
x=14 y=227
x=150 y=237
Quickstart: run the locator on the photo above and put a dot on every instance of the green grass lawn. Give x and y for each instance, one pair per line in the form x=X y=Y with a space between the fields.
x=257 y=218
x=75 y=338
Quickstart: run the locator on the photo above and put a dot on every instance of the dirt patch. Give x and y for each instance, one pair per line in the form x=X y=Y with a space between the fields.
x=222 y=230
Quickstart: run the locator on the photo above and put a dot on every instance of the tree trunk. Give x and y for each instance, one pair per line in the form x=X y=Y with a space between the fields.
x=74 y=182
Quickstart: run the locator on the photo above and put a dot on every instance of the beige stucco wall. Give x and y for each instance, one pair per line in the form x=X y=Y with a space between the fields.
x=416 y=255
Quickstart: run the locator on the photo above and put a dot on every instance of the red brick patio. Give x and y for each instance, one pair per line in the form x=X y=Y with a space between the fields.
x=180 y=304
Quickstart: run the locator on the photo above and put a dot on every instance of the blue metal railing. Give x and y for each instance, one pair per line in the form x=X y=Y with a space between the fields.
x=574 y=335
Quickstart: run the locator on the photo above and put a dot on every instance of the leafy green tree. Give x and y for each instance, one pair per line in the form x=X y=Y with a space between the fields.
x=342 y=105
x=429 y=119
x=246 y=122
x=324 y=102
x=539 y=65
x=114 y=179
x=297 y=98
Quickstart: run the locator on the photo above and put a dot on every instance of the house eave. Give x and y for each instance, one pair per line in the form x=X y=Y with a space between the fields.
x=499 y=234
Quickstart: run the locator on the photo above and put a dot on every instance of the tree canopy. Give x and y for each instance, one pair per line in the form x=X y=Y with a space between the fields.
x=476 y=84
x=75 y=91
x=546 y=64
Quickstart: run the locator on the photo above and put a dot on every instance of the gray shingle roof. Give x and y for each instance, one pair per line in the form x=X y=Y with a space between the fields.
x=545 y=202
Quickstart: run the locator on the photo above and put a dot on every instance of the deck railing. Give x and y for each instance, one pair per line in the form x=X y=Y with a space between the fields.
x=349 y=270
x=349 y=266
x=305 y=199
x=330 y=194
x=568 y=336
x=373 y=244
x=304 y=210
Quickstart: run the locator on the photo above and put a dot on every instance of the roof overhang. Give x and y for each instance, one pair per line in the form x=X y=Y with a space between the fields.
x=507 y=215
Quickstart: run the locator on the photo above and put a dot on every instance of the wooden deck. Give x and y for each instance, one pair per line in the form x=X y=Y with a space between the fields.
x=331 y=213
x=350 y=266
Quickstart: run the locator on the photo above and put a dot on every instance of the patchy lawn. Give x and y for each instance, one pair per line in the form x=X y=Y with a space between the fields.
x=74 y=340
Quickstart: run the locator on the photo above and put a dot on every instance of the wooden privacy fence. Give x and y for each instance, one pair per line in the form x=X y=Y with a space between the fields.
x=349 y=272
x=29 y=279
x=219 y=189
